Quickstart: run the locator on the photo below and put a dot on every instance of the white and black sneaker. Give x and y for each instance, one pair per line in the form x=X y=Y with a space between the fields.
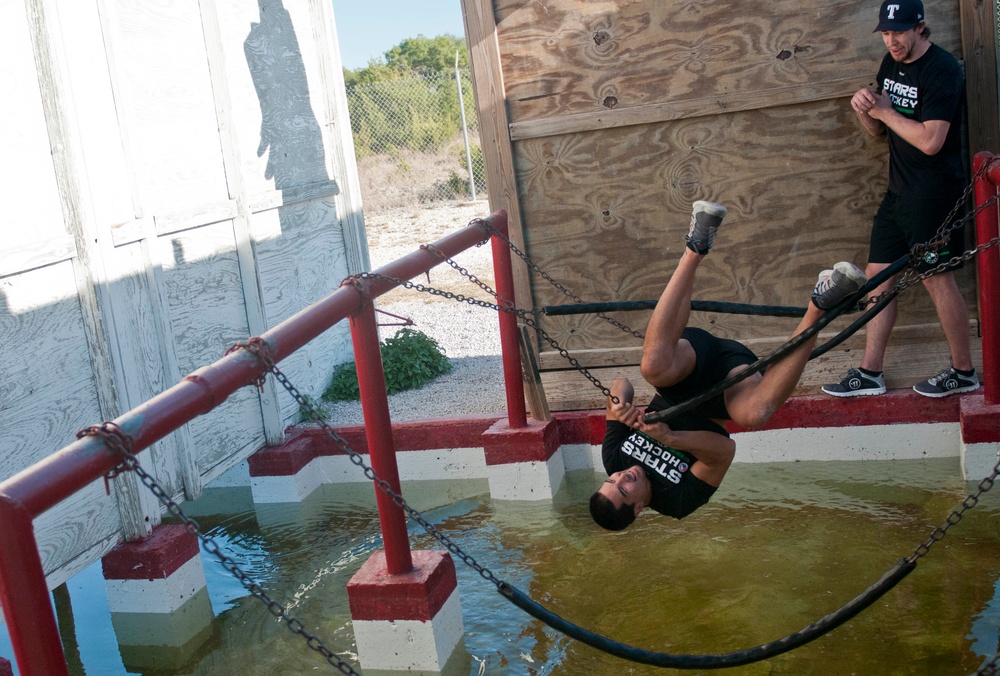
x=706 y=217
x=947 y=382
x=856 y=384
x=833 y=286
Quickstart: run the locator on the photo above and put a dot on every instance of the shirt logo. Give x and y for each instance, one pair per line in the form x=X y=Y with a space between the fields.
x=656 y=457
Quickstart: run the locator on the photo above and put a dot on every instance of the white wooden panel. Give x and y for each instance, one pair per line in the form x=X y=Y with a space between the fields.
x=162 y=60
x=302 y=259
x=95 y=116
x=27 y=182
x=202 y=279
x=142 y=364
x=280 y=137
x=47 y=391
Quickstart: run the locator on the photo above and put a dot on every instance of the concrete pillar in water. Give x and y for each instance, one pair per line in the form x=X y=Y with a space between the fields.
x=524 y=463
x=407 y=622
x=158 y=599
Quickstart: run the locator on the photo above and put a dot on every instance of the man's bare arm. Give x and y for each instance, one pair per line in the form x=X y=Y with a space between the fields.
x=714 y=451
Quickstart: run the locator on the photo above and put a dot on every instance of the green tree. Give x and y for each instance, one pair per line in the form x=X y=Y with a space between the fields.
x=407 y=100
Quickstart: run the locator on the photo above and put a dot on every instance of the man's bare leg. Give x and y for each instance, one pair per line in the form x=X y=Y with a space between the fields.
x=877 y=330
x=666 y=359
x=752 y=402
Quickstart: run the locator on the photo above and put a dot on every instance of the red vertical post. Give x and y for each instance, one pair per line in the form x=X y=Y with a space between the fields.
x=988 y=266
x=24 y=595
x=378 y=431
x=510 y=347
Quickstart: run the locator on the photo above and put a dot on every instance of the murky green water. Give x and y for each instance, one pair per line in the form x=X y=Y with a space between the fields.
x=780 y=546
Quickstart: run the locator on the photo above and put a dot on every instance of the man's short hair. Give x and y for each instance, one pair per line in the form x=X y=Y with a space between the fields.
x=609 y=517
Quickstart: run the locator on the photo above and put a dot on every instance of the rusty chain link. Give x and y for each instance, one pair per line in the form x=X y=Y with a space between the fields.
x=534 y=267
x=970 y=501
x=121 y=444
x=507 y=306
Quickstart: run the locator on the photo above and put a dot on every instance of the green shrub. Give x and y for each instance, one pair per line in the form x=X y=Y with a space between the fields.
x=410 y=359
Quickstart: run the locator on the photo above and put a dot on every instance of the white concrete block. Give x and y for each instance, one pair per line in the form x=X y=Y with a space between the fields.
x=164 y=595
x=535 y=480
x=410 y=645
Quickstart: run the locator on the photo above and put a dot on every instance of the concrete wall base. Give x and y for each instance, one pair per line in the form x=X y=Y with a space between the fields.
x=409 y=622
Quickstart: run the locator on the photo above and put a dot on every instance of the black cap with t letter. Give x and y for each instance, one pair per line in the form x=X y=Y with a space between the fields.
x=899 y=15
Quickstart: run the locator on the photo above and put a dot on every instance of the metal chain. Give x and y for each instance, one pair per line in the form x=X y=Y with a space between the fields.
x=522 y=314
x=534 y=267
x=971 y=501
x=310 y=409
x=121 y=444
x=927 y=252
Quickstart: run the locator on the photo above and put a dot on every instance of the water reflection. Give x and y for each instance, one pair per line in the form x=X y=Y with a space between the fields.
x=780 y=546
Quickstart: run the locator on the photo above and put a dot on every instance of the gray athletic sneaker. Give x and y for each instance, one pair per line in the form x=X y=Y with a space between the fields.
x=833 y=286
x=947 y=382
x=706 y=217
x=856 y=384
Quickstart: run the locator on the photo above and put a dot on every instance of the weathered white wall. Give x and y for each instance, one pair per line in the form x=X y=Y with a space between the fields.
x=179 y=176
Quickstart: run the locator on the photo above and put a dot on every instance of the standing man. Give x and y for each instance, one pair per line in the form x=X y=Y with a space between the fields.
x=918 y=102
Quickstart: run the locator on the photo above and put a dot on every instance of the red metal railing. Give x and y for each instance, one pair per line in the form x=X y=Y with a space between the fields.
x=23 y=497
x=988 y=265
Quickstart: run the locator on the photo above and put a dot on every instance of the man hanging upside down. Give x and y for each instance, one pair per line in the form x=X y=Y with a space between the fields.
x=675 y=467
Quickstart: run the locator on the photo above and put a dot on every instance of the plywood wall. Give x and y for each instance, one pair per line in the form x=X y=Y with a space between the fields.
x=617 y=115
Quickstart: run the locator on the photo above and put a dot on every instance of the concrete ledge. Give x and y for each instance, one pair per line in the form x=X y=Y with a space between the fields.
x=374 y=594
x=980 y=421
x=504 y=444
x=156 y=557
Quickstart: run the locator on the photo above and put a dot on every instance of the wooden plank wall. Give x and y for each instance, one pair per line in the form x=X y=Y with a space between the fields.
x=620 y=114
x=181 y=184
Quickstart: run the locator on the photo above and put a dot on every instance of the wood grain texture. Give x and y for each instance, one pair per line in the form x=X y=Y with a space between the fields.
x=610 y=210
x=561 y=56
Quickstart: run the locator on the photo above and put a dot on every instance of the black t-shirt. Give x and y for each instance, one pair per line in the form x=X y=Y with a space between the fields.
x=676 y=492
x=930 y=88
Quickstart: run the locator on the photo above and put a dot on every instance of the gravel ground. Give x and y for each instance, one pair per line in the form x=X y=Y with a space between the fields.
x=468 y=334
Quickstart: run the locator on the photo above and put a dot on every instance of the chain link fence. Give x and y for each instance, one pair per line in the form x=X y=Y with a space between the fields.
x=417 y=141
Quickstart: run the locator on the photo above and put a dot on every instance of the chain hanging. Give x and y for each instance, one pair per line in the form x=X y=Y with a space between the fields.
x=500 y=306
x=970 y=501
x=534 y=267
x=121 y=445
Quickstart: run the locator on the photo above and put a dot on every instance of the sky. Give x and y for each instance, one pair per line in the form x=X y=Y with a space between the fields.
x=369 y=28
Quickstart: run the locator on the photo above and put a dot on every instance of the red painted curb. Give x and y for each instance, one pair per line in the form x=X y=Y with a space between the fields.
x=980 y=421
x=374 y=594
x=285 y=460
x=503 y=444
x=892 y=408
x=156 y=557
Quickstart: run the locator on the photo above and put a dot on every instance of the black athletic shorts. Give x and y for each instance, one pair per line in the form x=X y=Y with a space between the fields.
x=714 y=359
x=901 y=222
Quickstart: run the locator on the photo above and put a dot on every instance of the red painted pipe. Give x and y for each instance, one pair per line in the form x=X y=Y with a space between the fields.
x=34 y=634
x=40 y=487
x=378 y=430
x=510 y=348
x=988 y=266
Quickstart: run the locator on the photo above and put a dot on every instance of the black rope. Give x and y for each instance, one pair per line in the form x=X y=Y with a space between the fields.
x=698 y=305
x=715 y=661
x=845 y=305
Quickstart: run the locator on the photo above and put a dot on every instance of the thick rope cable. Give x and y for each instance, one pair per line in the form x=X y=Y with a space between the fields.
x=716 y=661
x=718 y=306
